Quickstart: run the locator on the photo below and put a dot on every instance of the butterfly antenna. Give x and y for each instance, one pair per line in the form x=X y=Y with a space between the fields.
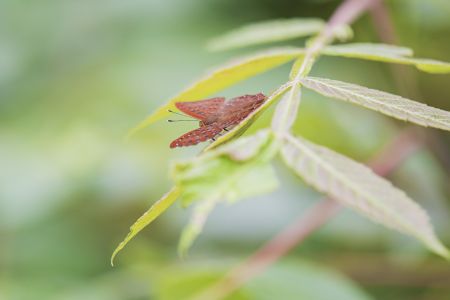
x=182 y=121
x=177 y=113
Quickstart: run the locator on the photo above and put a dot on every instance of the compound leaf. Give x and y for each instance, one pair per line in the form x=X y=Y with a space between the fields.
x=389 y=104
x=358 y=187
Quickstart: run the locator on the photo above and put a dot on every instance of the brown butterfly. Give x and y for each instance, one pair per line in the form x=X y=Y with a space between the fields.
x=215 y=115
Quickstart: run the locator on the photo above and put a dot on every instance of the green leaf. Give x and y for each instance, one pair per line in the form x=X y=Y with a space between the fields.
x=286 y=110
x=367 y=50
x=358 y=187
x=223 y=77
x=235 y=170
x=389 y=104
x=296 y=67
x=387 y=53
x=238 y=182
x=155 y=210
x=242 y=127
x=266 y=32
x=196 y=224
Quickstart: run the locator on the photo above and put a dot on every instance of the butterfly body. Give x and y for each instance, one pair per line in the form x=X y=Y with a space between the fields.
x=215 y=115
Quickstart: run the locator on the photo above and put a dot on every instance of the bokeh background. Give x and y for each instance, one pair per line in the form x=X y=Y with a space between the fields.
x=75 y=76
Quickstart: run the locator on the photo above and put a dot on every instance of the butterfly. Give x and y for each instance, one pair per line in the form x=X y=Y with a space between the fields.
x=215 y=115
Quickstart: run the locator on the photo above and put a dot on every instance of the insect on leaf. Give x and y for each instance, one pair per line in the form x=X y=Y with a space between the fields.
x=202 y=109
x=389 y=104
x=240 y=128
x=216 y=116
x=223 y=77
x=358 y=187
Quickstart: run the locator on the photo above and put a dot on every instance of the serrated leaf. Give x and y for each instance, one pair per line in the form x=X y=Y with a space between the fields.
x=387 y=53
x=356 y=186
x=389 y=104
x=242 y=127
x=223 y=77
x=266 y=32
x=149 y=216
x=235 y=170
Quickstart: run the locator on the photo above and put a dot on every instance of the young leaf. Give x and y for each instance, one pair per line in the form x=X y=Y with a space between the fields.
x=286 y=111
x=387 y=53
x=195 y=225
x=155 y=210
x=358 y=187
x=266 y=32
x=241 y=127
x=389 y=104
x=224 y=77
x=235 y=170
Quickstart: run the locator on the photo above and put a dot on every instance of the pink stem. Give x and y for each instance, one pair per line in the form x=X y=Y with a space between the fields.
x=383 y=164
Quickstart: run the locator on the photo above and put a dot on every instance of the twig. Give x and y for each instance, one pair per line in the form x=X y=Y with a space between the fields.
x=383 y=164
x=272 y=250
x=345 y=14
x=395 y=152
x=383 y=24
x=406 y=82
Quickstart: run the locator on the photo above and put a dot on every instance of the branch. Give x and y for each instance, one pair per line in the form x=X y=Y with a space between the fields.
x=344 y=15
x=388 y=160
x=405 y=81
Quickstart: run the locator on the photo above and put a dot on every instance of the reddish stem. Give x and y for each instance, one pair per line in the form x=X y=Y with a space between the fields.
x=319 y=214
x=383 y=164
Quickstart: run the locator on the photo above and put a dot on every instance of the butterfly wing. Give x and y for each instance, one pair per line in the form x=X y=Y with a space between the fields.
x=237 y=109
x=196 y=136
x=202 y=109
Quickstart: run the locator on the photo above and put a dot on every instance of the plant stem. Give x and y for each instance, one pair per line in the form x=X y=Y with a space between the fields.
x=277 y=247
x=344 y=15
x=384 y=163
x=407 y=82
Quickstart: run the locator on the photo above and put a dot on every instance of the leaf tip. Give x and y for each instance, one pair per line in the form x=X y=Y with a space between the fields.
x=135 y=129
x=114 y=254
x=438 y=248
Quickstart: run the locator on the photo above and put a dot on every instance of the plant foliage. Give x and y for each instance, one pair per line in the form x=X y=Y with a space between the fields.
x=233 y=168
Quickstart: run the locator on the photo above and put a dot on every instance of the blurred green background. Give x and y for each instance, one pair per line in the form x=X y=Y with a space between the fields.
x=76 y=75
